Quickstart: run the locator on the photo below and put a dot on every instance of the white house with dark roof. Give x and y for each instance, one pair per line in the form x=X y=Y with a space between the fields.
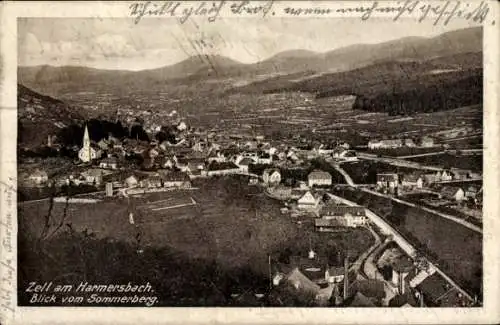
x=226 y=168
x=472 y=191
x=452 y=193
x=412 y=180
x=387 y=180
x=334 y=215
x=444 y=175
x=427 y=142
x=175 y=179
x=319 y=178
x=244 y=163
x=385 y=144
x=93 y=176
x=109 y=163
x=131 y=181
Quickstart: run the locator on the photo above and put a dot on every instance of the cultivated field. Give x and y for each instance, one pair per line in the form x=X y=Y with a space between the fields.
x=224 y=237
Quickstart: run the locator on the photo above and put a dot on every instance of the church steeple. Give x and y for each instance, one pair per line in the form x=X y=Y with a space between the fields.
x=86 y=138
x=87 y=153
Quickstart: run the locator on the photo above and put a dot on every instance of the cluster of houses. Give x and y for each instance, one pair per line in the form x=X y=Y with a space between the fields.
x=196 y=153
x=424 y=142
x=313 y=276
x=442 y=184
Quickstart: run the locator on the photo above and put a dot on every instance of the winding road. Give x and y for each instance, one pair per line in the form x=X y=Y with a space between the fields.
x=458 y=220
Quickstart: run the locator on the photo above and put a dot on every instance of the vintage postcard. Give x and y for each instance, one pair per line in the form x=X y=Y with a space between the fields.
x=294 y=161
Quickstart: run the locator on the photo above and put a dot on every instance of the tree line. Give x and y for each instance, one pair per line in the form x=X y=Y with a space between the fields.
x=424 y=99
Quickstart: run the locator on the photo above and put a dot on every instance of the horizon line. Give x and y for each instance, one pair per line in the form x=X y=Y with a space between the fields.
x=313 y=53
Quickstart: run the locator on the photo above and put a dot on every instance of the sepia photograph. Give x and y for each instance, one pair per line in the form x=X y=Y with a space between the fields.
x=271 y=157
x=218 y=165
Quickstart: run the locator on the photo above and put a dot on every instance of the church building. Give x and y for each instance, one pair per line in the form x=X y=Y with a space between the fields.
x=87 y=153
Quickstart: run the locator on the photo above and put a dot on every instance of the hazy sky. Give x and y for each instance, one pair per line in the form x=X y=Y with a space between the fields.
x=117 y=43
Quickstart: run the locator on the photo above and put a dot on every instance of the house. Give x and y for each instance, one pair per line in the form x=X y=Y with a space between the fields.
x=244 y=163
x=374 y=144
x=328 y=225
x=281 y=155
x=93 y=176
x=427 y=142
x=292 y=155
x=225 y=168
x=200 y=146
x=444 y=175
x=38 y=177
x=471 y=192
x=334 y=274
x=370 y=288
x=409 y=143
x=433 y=289
x=430 y=179
x=195 y=166
x=349 y=155
x=181 y=126
x=166 y=162
x=151 y=181
x=394 y=143
x=264 y=158
x=152 y=153
x=308 y=201
x=385 y=144
x=452 y=193
x=302 y=283
x=319 y=178
x=401 y=268
x=103 y=144
x=325 y=150
x=247 y=158
x=252 y=180
x=387 y=180
x=271 y=150
x=359 y=300
x=334 y=215
x=181 y=164
x=339 y=152
x=271 y=176
x=344 y=154
x=461 y=174
x=131 y=181
x=413 y=180
x=312 y=266
x=344 y=145
x=175 y=179
x=108 y=163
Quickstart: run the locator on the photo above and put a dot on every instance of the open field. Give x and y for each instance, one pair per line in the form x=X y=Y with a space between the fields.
x=224 y=239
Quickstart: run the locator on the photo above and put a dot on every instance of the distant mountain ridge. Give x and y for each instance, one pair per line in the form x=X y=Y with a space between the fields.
x=54 y=80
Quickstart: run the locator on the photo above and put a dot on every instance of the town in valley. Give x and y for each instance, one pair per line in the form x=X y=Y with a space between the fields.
x=227 y=184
